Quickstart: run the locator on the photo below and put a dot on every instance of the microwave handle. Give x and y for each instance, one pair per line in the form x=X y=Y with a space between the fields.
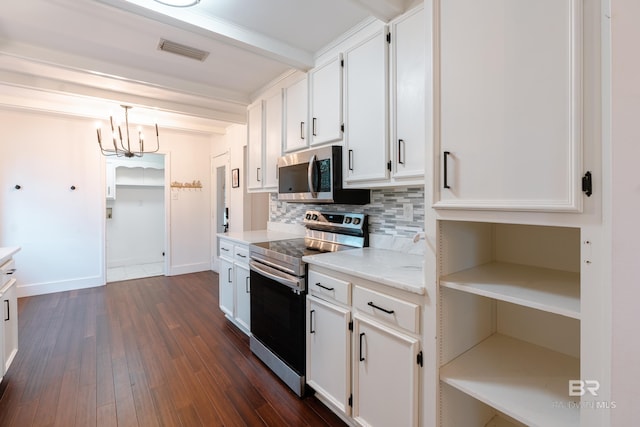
x=310 y=170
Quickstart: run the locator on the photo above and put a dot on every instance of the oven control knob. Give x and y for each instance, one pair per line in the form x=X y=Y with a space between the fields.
x=356 y=221
x=314 y=217
x=347 y=220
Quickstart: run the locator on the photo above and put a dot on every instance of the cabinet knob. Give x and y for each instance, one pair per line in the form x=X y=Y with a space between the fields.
x=17 y=187
x=73 y=187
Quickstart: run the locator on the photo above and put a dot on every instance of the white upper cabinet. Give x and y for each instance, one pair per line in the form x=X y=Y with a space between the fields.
x=325 y=92
x=407 y=84
x=255 y=142
x=296 y=126
x=509 y=82
x=264 y=143
x=273 y=139
x=366 y=110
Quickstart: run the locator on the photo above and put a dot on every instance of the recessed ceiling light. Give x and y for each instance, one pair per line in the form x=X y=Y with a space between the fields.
x=179 y=3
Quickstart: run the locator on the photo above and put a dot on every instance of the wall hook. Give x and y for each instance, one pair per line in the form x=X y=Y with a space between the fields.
x=17 y=187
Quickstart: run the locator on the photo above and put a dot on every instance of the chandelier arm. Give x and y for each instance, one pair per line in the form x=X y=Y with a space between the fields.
x=122 y=150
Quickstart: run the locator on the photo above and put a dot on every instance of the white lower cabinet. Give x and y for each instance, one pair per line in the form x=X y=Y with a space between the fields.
x=9 y=320
x=329 y=345
x=233 y=283
x=226 y=286
x=243 y=294
x=385 y=379
x=363 y=351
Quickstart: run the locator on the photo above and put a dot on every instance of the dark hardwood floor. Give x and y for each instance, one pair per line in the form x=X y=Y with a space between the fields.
x=147 y=352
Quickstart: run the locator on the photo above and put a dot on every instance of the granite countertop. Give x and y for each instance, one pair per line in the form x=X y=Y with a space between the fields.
x=6 y=253
x=257 y=236
x=392 y=268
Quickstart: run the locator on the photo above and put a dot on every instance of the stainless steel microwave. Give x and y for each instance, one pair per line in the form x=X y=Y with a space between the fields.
x=315 y=176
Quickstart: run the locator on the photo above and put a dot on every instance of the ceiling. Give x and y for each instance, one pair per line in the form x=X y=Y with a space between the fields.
x=107 y=50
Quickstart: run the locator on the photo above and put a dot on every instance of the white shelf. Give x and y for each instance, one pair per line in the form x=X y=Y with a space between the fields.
x=526 y=382
x=554 y=291
x=130 y=184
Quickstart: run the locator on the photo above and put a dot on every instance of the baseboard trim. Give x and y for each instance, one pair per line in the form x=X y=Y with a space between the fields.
x=29 y=290
x=177 y=270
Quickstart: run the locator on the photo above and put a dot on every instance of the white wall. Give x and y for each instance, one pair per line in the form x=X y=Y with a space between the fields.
x=625 y=209
x=59 y=230
x=62 y=232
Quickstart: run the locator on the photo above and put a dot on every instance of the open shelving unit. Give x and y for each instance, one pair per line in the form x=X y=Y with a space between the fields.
x=509 y=323
x=522 y=380
x=544 y=289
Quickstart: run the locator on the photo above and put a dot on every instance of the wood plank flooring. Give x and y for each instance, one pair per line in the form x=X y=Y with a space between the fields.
x=147 y=352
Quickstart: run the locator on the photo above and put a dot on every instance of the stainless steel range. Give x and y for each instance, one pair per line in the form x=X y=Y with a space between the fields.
x=278 y=289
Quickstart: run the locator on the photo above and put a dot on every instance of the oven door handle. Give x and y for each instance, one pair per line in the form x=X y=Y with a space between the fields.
x=279 y=276
x=310 y=173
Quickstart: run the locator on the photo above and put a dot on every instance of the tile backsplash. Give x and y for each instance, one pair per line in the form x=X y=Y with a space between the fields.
x=386 y=211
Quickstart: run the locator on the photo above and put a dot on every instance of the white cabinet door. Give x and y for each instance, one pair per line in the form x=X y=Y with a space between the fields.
x=510 y=105
x=243 y=296
x=385 y=376
x=110 y=174
x=226 y=287
x=366 y=106
x=296 y=97
x=255 y=138
x=328 y=351
x=407 y=76
x=273 y=140
x=10 y=320
x=325 y=86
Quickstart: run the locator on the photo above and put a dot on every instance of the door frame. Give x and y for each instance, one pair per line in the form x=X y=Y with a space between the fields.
x=167 y=215
x=217 y=161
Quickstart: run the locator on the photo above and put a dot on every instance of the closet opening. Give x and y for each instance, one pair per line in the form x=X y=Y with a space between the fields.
x=135 y=217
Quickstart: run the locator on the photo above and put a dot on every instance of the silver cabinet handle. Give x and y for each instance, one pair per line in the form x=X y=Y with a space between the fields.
x=310 y=170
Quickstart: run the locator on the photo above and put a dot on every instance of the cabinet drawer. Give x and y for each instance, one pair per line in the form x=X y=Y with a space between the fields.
x=226 y=249
x=329 y=288
x=387 y=309
x=241 y=253
x=6 y=271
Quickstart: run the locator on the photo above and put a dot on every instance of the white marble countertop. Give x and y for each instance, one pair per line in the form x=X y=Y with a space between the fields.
x=257 y=236
x=6 y=253
x=392 y=268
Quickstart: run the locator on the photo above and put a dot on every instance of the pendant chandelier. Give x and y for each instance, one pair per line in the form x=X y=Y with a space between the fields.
x=122 y=146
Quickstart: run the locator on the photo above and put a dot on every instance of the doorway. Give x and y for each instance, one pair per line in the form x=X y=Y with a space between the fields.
x=135 y=217
x=219 y=201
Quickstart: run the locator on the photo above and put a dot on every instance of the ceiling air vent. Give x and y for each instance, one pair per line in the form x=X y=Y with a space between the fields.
x=180 y=49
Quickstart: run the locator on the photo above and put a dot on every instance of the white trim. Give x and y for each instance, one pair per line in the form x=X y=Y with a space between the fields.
x=177 y=270
x=59 y=286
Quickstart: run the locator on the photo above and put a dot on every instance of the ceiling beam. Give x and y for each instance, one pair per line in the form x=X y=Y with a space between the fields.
x=48 y=78
x=219 y=30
